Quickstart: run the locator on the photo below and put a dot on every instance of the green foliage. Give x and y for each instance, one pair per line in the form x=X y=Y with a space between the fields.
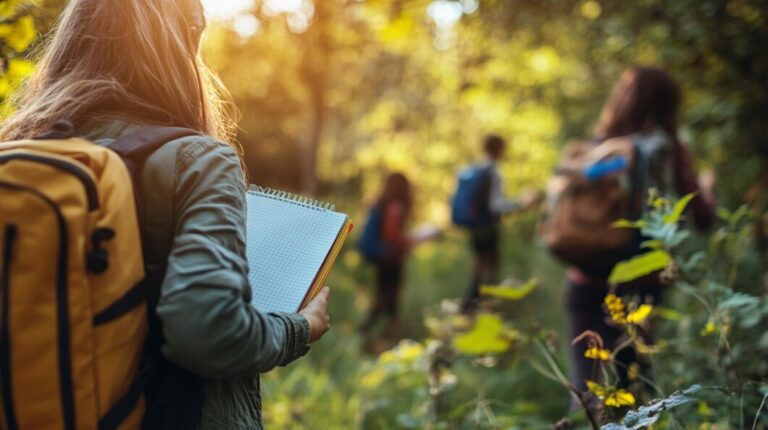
x=17 y=32
x=711 y=340
x=507 y=371
x=645 y=416
x=508 y=292
x=487 y=336
x=639 y=266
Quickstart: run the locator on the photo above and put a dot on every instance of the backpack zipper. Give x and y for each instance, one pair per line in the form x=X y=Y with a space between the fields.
x=5 y=340
x=75 y=170
x=62 y=308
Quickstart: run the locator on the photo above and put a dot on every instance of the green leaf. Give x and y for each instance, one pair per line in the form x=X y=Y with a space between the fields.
x=639 y=266
x=625 y=223
x=486 y=337
x=738 y=300
x=507 y=292
x=677 y=212
x=669 y=314
x=653 y=244
x=724 y=214
x=408 y=421
x=694 y=261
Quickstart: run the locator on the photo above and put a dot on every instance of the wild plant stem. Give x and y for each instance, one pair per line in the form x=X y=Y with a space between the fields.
x=760 y=409
x=566 y=383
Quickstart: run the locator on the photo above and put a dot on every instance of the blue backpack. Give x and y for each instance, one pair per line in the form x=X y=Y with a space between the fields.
x=470 y=206
x=371 y=244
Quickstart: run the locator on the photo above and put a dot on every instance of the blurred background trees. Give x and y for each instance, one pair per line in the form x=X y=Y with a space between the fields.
x=334 y=93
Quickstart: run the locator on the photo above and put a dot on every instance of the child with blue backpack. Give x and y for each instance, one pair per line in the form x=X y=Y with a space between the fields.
x=478 y=205
x=385 y=243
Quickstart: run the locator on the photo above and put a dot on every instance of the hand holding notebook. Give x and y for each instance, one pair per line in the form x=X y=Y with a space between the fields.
x=316 y=314
x=292 y=245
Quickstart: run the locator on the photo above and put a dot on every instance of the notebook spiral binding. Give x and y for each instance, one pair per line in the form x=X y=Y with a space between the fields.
x=285 y=196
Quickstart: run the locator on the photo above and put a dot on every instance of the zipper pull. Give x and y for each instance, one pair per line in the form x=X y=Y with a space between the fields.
x=98 y=258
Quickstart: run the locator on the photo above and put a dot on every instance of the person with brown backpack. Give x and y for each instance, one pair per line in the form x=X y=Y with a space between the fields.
x=123 y=197
x=597 y=183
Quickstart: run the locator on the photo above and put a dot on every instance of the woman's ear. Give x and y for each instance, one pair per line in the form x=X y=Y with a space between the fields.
x=196 y=21
x=196 y=34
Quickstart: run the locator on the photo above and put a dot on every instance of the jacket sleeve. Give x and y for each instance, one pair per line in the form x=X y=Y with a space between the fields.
x=499 y=204
x=208 y=324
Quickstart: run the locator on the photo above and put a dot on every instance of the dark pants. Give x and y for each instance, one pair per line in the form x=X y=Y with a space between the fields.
x=584 y=307
x=389 y=279
x=485 y=249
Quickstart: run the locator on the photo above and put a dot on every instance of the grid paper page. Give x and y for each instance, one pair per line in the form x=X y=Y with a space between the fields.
x=287 y=244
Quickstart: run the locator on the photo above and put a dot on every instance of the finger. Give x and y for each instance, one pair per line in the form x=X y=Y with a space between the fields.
x=322 y=296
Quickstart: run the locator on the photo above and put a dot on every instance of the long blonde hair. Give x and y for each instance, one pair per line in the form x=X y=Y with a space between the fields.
x=130 y=59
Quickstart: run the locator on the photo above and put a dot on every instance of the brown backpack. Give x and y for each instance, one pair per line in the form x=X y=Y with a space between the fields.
x=577 y=226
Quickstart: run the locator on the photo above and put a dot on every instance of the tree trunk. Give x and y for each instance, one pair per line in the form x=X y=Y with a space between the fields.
x=317 y=50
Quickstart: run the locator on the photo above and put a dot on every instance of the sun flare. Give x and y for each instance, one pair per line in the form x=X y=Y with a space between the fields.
x=225 y=9
x=228 y=9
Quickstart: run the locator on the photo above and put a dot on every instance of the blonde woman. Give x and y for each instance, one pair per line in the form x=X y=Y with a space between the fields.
x=110 y=67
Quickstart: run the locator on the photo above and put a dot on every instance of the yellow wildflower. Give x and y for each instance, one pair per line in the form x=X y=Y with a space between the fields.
x=615 y=307
x=406 y=352
x=409 y=351
x=640 y=314
x=620 y=398
x=633 y=372
x=611 y=396
x=374 y=378
x=460 y=322
x=709 y=328
x=387 y=357
x=596 y=353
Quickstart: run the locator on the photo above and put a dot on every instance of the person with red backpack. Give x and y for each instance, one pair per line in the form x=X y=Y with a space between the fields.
x=386 y=243
x=124 y=196
x=477 y=206
x=637 y=149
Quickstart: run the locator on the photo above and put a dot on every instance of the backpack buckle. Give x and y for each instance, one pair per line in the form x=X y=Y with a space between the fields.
x=98 y=258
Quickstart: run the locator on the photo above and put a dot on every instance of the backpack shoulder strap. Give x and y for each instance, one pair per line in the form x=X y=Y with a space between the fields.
x=136 y=147
x=171 y=391
x=638 y=181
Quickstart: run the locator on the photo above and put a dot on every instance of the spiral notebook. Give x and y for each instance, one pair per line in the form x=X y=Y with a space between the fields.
x=292 y=243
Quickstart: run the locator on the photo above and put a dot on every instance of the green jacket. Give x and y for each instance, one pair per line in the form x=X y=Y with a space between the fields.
x=192 y=215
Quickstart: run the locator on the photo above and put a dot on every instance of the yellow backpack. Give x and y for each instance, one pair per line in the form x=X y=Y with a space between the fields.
x=73 y=314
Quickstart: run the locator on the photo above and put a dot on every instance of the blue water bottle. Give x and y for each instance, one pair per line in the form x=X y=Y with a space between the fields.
x=605 y=167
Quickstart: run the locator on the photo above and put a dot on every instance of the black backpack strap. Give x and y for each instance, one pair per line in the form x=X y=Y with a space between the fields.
x=136 y=147
x=60 y=130
x=123 y=408
x=638 y=182
x=483 y=197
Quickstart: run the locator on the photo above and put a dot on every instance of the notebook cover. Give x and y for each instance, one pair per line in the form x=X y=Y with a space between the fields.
x=319 y=282
x=292 y=243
